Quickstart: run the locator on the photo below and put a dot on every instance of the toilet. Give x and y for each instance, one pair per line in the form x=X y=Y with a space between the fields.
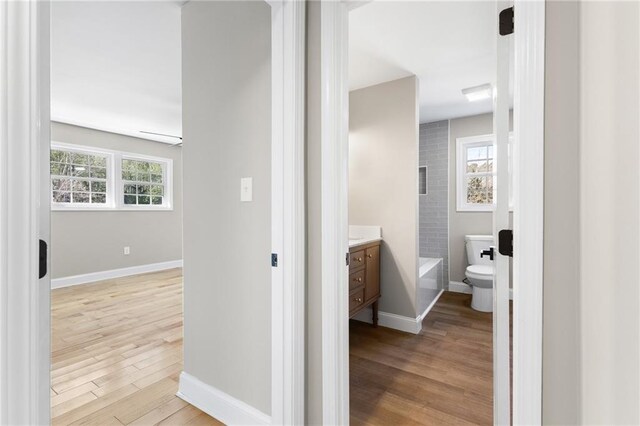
x=479 y=273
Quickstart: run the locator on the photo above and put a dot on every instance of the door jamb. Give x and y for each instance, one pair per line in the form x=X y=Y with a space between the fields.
x=528 y=215
x=288 y=211
x=24 y=216
x=528 y=248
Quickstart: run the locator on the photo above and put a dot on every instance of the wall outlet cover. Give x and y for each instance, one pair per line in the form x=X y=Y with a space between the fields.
x=246 y=189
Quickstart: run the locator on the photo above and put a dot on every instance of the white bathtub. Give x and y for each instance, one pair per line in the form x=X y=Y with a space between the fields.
x=430 y=285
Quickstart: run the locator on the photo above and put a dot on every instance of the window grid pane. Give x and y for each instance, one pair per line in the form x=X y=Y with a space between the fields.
x=143 y=183
x=479 y=174
x=78 y=178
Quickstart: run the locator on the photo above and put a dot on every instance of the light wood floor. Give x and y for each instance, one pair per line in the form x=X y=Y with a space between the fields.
x=441 y=376
x=117 y=353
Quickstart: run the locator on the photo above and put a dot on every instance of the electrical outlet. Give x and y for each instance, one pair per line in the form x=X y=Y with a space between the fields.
x=127 y=251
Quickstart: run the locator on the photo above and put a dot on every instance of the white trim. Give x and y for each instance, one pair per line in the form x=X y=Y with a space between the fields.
x=500 y=293
x=219 y=405
x=528 y=224
x=398 y=322
x=461 y=159
x=24 y=212
x=334 y=21
x=460 y=287
x=288 y=211
x=113 y=273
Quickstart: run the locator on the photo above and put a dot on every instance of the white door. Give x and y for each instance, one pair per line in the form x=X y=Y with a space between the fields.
x=501 y=367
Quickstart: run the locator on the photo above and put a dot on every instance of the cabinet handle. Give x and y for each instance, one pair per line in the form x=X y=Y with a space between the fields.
x=359 y=300
x=369 y=256
x=359 y=280
x=359 y=259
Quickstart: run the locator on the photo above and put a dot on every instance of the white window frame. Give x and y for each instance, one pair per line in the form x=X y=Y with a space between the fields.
x=167 y=181
x=115 y=184
x=111 y=200
x=462 y=144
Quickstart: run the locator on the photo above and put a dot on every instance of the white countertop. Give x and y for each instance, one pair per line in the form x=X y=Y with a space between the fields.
x=360 y=241
x=359 y=235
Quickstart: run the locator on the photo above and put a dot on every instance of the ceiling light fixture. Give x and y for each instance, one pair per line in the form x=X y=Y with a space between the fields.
x=478 y=93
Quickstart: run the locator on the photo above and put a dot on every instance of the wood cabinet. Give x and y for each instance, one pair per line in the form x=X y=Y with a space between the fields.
x=364 y=279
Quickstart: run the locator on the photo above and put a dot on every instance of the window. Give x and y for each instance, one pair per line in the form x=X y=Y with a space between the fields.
x=85 y=178
x=80 y=178
x=475 y=173
x=143 y=182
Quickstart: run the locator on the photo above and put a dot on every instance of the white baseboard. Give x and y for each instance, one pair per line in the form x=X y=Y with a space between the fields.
x=431 y=305
x=397 y=322
x=460 y=287
x=113 y=273
x=219 y=405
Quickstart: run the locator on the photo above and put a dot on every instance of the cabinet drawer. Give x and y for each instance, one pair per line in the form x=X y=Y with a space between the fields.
x=356 y=299
x=357 y=260
x=356 y=279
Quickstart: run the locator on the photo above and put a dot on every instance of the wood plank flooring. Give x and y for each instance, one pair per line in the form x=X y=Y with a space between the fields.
x=441 y=376
x=117 y=353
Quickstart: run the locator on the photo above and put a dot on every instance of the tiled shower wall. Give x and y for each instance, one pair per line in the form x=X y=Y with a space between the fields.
x=434 y=214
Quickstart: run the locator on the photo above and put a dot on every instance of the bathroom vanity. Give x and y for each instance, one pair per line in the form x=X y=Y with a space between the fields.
x=364 y=276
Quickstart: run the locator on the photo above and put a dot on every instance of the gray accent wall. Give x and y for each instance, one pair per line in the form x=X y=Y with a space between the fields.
x=84 y=242
x=434 y=207
x=313 y=311
x=227 y=243
x=561 y=337
x=383 y=183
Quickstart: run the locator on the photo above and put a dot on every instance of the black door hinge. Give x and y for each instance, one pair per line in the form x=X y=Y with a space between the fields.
x=506 y=21
x=42 y=259
x=346 y=259
x=274 y=260
x=505 y=242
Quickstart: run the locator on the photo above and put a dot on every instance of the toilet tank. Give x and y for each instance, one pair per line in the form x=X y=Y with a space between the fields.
x=475 y=244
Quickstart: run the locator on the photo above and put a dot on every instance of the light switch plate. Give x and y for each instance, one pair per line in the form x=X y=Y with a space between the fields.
x=246 y=189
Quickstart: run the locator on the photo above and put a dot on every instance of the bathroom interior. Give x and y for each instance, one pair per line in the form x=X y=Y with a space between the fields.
x=421 y=181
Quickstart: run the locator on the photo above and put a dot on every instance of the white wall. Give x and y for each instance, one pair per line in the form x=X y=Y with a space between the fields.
x=383 y=183
x=227 y=243
x=84 y=242
x=609 y=211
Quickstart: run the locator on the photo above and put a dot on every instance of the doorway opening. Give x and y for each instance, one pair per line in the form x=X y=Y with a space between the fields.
x=449 y=170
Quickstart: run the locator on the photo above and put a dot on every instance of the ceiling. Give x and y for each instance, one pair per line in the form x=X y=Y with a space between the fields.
x=448 y=45
x=116 y=66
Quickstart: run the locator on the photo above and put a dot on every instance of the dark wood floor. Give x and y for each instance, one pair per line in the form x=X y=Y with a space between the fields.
x=441 y=376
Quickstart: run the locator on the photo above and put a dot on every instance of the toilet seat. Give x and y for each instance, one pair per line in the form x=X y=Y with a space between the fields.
x=480 y=272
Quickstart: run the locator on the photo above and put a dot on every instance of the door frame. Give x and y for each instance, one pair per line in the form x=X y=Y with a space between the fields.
x=529 y=42
x=24 y=217
x=24 y=214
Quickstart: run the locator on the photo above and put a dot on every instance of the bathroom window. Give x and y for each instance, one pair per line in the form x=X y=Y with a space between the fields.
x=84 y=178
x=475 y=173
